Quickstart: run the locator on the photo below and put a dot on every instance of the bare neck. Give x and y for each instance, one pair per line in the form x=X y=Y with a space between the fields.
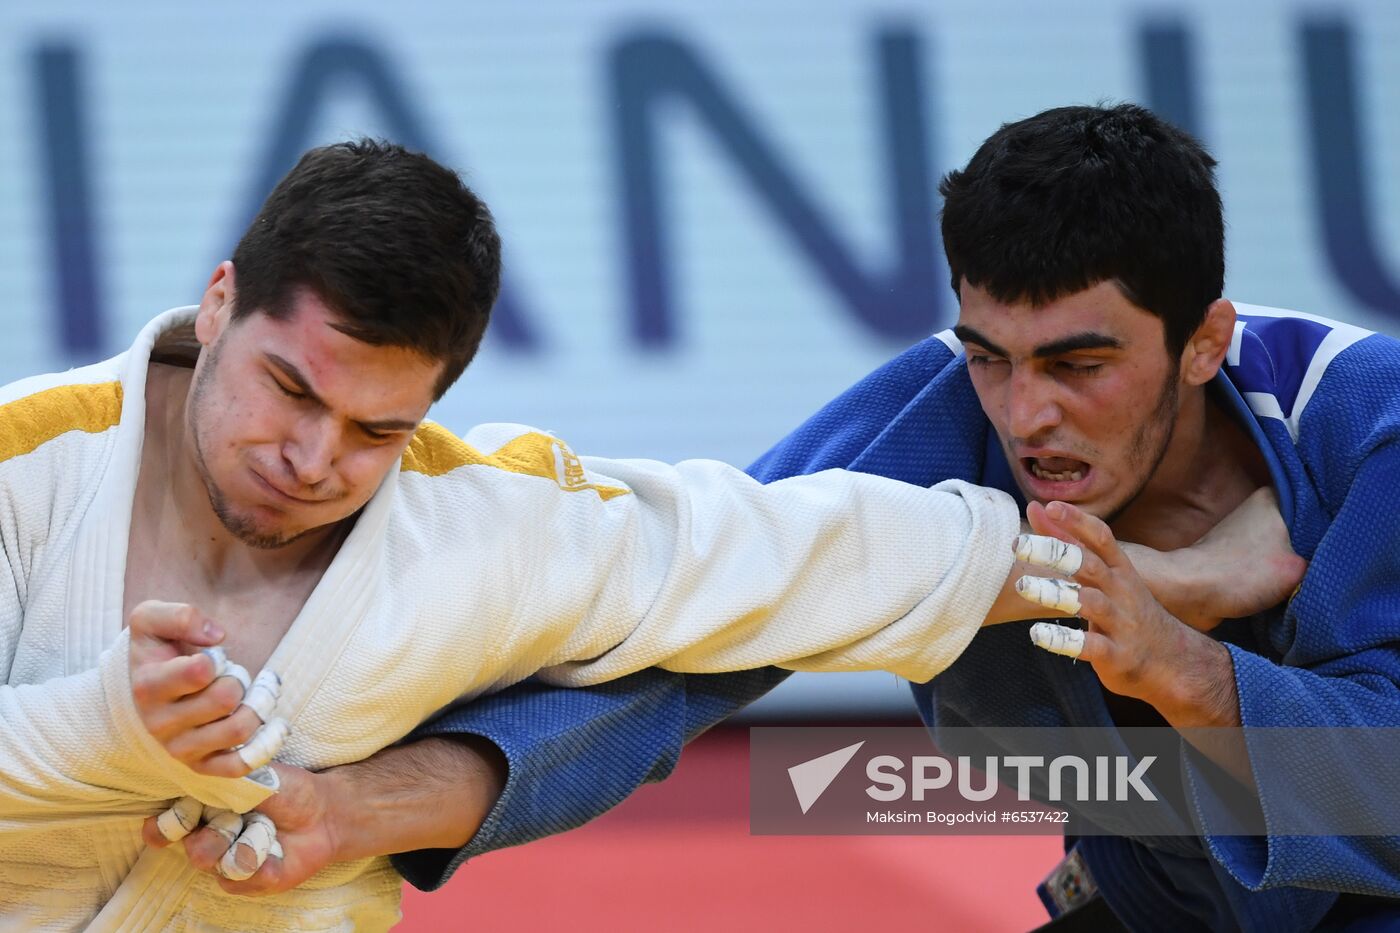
x=176 y=501
x=1211 y=465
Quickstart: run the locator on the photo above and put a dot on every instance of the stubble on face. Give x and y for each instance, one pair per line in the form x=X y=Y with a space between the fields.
x=1144 y=453
x=1149 y=444
x=200 y=411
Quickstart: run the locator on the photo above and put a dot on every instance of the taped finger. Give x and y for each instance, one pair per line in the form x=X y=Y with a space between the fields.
x=262 y=696
x=239 y=673
x=223 y=667
x=1058 y=639
x=180 y=820
x=219 y=656
x=264 y=744
x=1060 y=595
x=1050 y=553
x=246 y=856
x=266 y=777
x=226 y=823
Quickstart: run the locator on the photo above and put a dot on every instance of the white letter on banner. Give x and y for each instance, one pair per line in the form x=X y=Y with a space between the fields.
x=1081 y=777
x=1134 y=778
x=874 y=770
x=965 y=779
x=1023 y=765
x=921 y=780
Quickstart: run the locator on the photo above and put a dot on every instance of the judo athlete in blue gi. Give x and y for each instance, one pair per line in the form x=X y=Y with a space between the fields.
x=1094 y=363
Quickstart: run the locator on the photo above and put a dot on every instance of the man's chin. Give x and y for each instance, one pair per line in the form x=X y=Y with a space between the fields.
x=1093 y=505
x=259 y=535
x=270 y=542
x=267 y=540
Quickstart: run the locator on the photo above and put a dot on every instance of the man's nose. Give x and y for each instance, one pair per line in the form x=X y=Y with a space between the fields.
x=311 y=451
x=1031 y=404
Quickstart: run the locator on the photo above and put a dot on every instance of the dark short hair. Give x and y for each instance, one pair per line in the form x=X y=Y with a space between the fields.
x=403 y=252
x=1056 y=203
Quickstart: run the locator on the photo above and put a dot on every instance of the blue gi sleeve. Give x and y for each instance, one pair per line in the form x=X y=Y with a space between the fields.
x=1340 y=640
x=574 y=754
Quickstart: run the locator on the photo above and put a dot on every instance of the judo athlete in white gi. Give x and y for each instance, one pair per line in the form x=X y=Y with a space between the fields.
x=256 y=473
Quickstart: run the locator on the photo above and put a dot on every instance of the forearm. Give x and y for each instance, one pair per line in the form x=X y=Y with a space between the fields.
x=1011 y=606
x=1242 y=566
x=1177 y=580
x=573 y=754
x=433 y=793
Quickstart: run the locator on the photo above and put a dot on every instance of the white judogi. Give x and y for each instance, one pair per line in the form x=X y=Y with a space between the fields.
x=479 y=563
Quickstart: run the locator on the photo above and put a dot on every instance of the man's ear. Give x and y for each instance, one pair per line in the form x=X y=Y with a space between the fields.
x=216 y=307
x=1205 y=350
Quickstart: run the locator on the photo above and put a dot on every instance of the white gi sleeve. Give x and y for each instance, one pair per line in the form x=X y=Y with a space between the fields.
x=699 y=568
x=77 y=744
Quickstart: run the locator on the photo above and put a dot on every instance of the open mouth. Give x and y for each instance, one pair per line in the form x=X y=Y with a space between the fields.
x=1056 y=469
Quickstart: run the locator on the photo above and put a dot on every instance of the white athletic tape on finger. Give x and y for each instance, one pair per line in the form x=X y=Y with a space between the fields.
x=1050 y=553
x=223 y=667
x=261 y=697
x=226 y=823
x=220 y=658
x=253 y=816
x=265 y=777
x=1061 y=595
x=258 y=836
x=265 y=744
x=239 y=673
x=180 y=820
x=1058 y=639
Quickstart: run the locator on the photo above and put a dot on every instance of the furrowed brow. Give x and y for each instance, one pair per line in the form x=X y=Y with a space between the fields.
x=384 y=426
x=1088 y=340
x=295 y=377
x=968 y=335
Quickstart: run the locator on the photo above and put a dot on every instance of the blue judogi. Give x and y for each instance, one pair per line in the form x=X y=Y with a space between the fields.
x=1321 y=399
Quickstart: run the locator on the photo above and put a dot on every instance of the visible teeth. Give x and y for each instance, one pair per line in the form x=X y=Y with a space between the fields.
x=1072 y=476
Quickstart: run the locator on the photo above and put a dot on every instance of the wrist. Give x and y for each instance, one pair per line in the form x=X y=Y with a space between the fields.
x=343 y=830
x=430 y=794
x=1195 y=685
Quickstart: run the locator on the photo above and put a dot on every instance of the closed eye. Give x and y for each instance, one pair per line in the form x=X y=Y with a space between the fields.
x=290 y=393
x=1077 y=369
